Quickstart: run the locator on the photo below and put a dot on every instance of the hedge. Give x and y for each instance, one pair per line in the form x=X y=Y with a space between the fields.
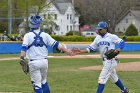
x=73 y=38
x=76 y=38
x=90 y=39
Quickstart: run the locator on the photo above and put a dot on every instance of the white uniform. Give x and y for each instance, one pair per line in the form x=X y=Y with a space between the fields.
x=37 y=56
x=104 y=44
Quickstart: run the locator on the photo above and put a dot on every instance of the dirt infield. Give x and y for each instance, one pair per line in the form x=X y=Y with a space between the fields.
x=131 y=66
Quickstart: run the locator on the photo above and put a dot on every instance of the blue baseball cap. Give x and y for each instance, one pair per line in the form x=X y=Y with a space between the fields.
x=102 y=25
x=35 y=21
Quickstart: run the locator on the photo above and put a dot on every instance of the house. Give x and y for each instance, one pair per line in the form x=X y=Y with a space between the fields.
x=131 y=17
x=88 y=30
x=65 y=18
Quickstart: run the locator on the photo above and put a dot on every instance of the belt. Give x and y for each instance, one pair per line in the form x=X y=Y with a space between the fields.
x=35 y=59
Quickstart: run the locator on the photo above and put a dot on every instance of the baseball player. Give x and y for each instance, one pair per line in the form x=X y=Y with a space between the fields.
x=34 y=46
x=105 y=42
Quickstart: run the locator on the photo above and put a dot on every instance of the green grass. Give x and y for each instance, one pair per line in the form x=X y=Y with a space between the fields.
x=64 y=76
x=8 y=55
x=63 y=54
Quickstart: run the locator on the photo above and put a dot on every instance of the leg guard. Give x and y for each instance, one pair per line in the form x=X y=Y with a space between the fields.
x=100 y=88
x=38 y=89
x=120 y=85
x=45 y=88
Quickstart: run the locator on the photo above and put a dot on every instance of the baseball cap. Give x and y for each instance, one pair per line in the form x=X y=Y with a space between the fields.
x=35 y=21
x=102 y=25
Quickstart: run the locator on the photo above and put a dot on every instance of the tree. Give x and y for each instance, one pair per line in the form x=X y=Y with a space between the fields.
x=20 y=10
x=93 y=11
x=131 y=30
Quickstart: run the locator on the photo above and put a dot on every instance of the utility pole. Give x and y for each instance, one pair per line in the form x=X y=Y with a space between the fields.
x=10 y=16
x=27 y=15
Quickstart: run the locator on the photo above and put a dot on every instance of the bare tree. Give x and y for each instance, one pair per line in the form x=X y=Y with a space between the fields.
x=110 y=11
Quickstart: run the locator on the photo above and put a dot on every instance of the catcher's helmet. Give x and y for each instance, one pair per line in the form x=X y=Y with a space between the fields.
x=35 y=21
x=102 y=25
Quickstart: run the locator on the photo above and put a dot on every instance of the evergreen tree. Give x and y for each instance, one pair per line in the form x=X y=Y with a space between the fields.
x=131 y=31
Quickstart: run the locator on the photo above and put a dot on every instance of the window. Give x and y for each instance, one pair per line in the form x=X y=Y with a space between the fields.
x=49 y=16
x=67 y=16
x=61 y=33
x=124 y=28
x=92 y=33
x=67 y=28
x=55 y=16
x=70 y=28
x=70 y=16
x=118 y=29
x=87 y=33
x=126 y=20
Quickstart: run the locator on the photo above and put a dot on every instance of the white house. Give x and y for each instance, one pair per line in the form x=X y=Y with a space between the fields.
x=131 y=17
x=64 y=16
x=88 y=30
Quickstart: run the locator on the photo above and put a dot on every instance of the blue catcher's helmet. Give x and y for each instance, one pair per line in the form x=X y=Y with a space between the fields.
x=102 y=25
x=35 y=21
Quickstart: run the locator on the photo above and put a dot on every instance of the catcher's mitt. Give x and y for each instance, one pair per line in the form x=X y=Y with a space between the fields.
x=24 y=65
x=111 y=53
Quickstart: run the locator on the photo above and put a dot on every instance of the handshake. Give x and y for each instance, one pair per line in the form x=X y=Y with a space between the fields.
x=72 y=52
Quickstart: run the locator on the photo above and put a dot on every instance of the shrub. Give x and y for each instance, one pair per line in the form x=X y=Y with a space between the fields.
x=131 y=31
x=70 y=33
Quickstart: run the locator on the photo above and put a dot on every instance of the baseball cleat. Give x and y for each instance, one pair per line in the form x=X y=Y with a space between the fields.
x=125 y=91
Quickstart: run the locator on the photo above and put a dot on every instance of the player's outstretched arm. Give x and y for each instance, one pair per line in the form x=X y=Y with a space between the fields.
x=79 y=51
x=67 y=51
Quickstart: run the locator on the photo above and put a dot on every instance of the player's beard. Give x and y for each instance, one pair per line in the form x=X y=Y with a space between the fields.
x=100 y=33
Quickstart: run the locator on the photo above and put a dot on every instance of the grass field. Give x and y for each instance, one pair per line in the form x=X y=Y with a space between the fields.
x=62 y=54
x=64 y=76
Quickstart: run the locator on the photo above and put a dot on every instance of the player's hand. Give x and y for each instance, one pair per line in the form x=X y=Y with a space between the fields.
x=117 y=50
x=69 y=52
x=76 y=51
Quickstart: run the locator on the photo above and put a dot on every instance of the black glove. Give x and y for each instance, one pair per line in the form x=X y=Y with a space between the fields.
x=24 y=65
x=111 y=53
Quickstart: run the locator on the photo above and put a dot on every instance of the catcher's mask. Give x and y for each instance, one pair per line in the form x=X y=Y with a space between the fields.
x=35 y=21
x=101 y=26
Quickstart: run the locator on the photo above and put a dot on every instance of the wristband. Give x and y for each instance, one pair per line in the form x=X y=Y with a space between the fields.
x=22 y=57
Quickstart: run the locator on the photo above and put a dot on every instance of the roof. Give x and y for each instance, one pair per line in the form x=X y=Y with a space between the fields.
x=136 y=13
x=62 y=5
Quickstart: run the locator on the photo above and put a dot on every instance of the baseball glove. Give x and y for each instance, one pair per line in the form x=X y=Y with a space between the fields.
x=111 y=53
x=24 y=65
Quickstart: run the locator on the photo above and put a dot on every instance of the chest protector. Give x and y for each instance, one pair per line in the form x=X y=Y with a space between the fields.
x=38 y=40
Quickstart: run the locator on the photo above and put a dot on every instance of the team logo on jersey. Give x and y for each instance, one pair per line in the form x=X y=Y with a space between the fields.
x=38 y=42
x=103 y=43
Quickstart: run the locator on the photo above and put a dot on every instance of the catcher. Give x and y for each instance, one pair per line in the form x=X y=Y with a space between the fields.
x=35 y=48
x=105 y=43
